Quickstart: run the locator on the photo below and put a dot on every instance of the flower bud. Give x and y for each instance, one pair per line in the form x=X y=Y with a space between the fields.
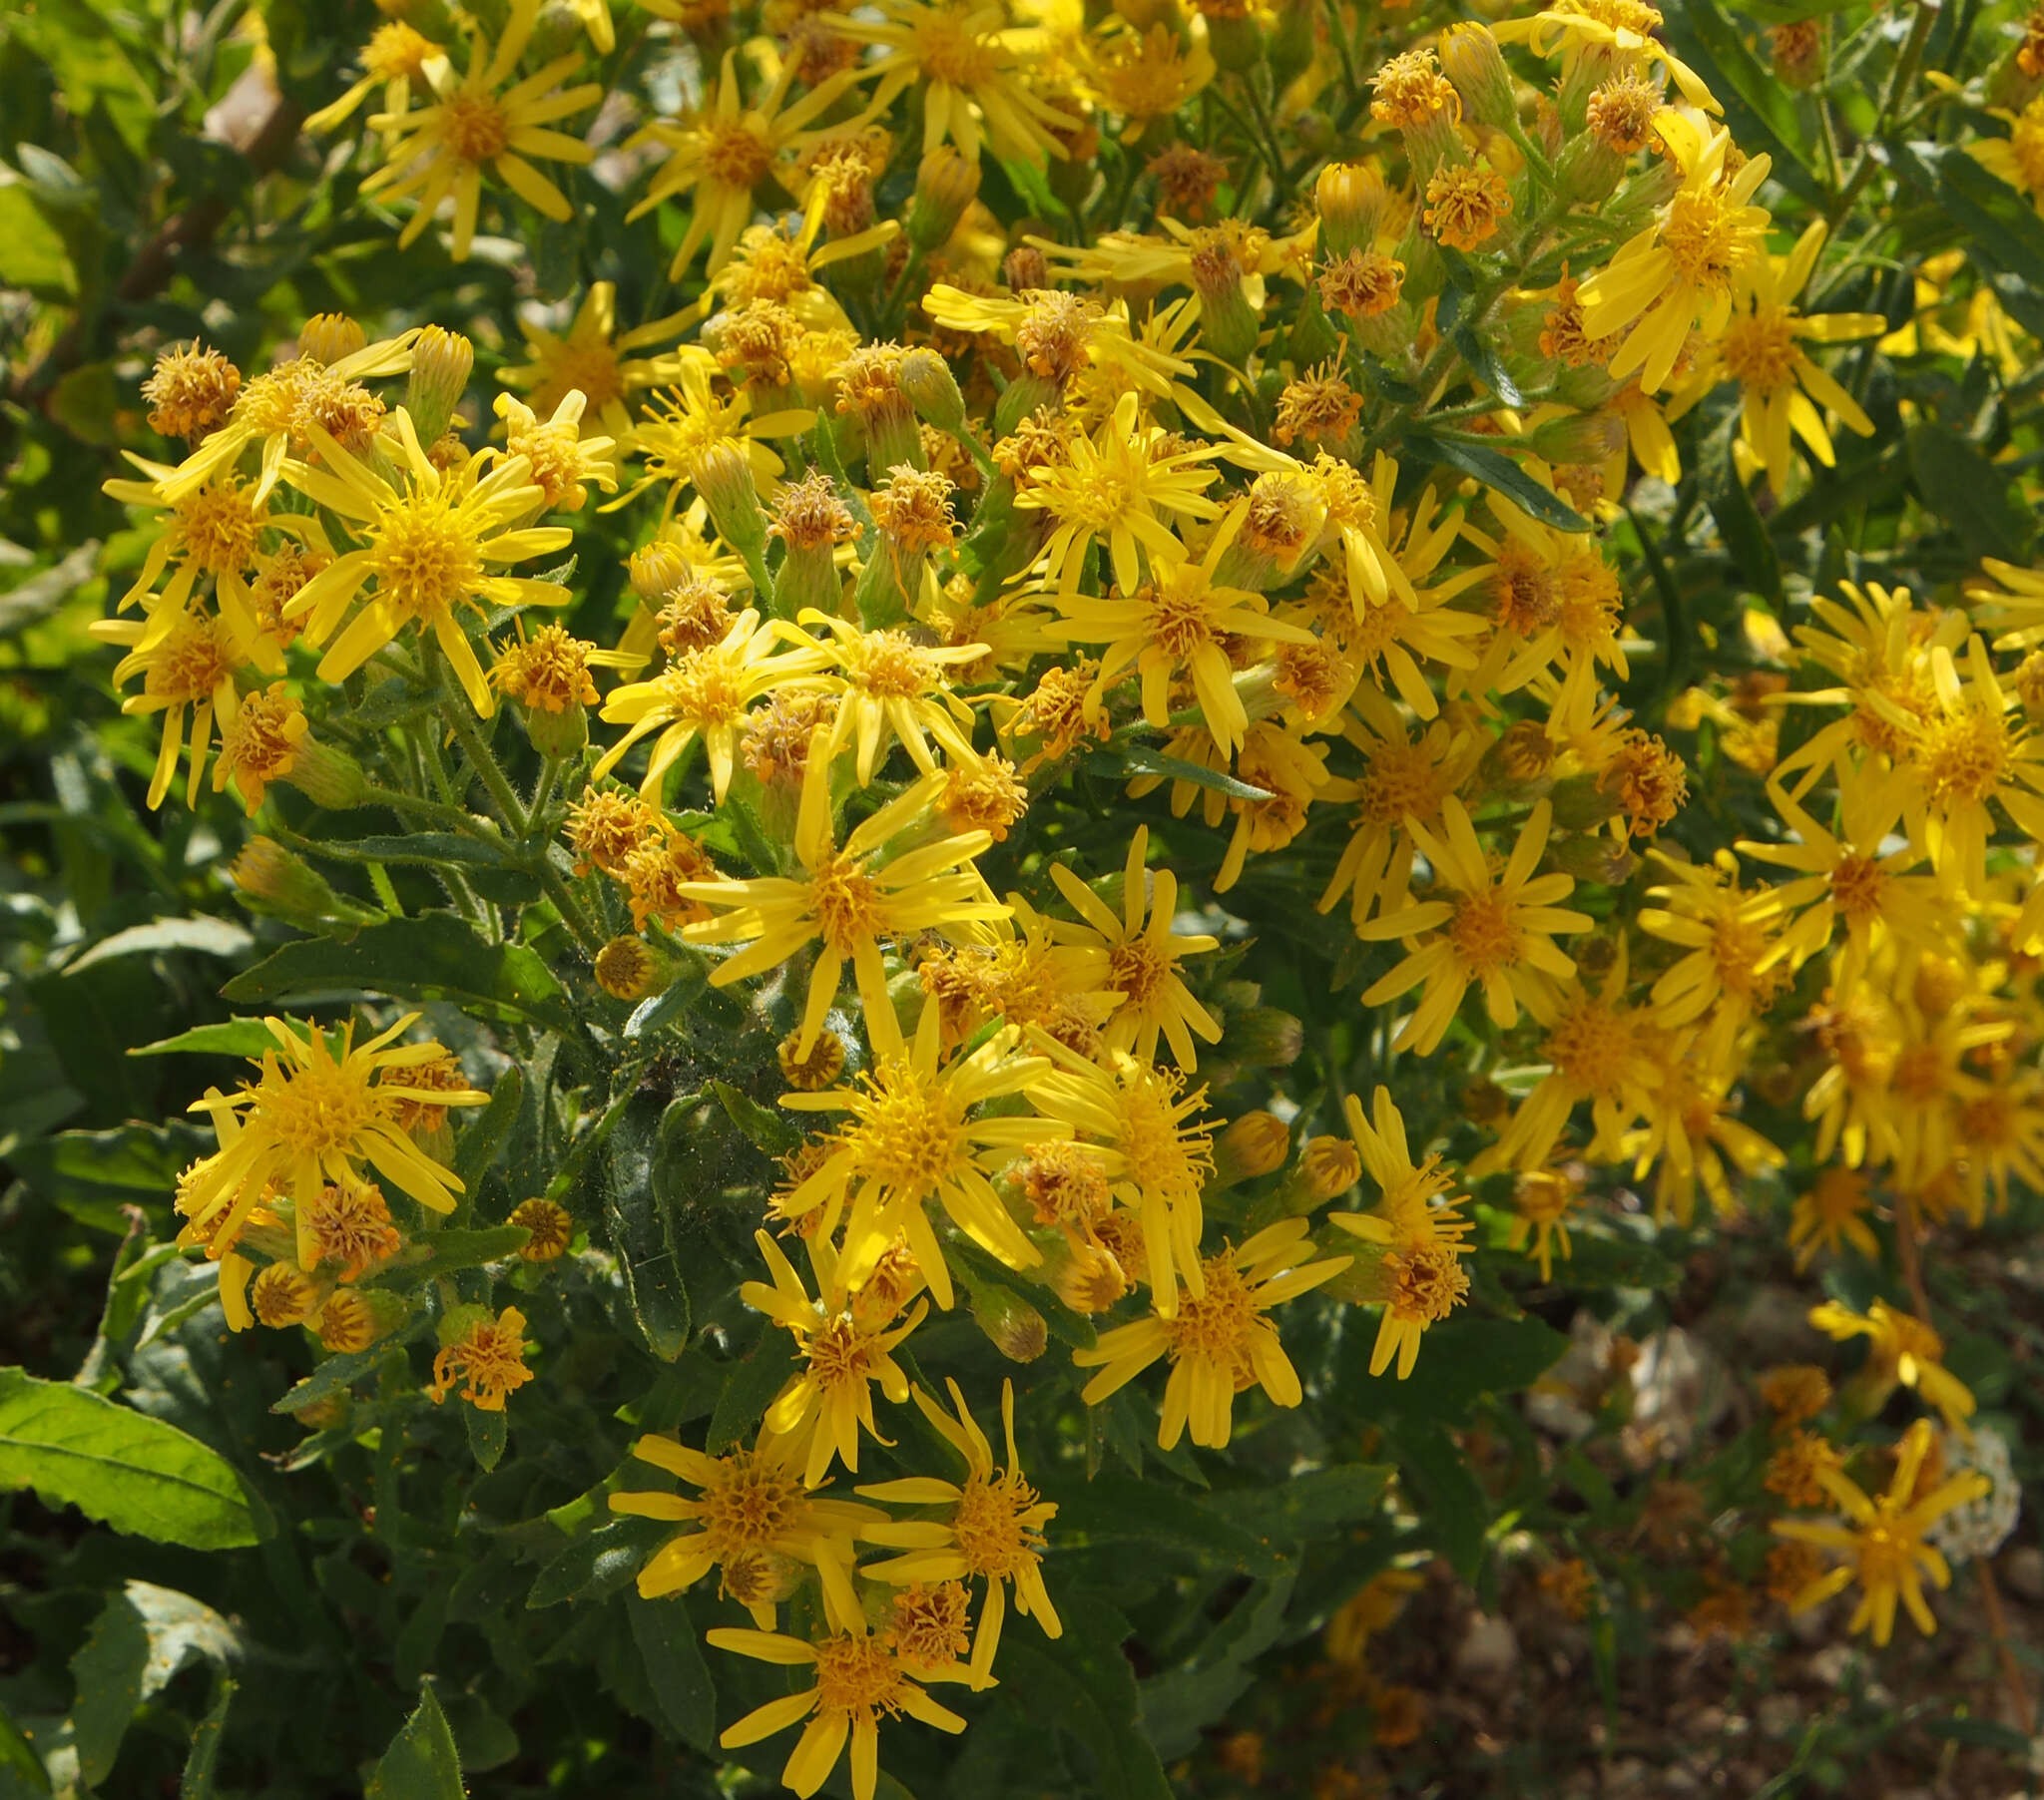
x=1603 y=861
x=945 y=185
x=440 y=364
x=932 y=389
x=330 y=337
x=458 y=1321
x=1351 y=197
x=283 y=1295
x=357 y=1317
x=1014 y=1327
x=724 y=477
x=1232 y=37
x=270 y=879
x=1796 y=50
x=1228 y=322
x=190 y=391
x=1471 y=59
x=1262 y=1036
x=556 y=734
x=1517 y=764
x=656 y=569
x=1089 y=1280
x=327 y=777
x=1026 y=269
x=1581 y=804
x=1589 y=170
x=629 y=967
x=1328 y=1166
x=1584 y=437
x=1252 y=1145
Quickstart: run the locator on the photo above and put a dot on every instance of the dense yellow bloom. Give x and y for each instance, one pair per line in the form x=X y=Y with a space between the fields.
x=887 y=685
x=1218 y=1340
x=1137 y=960
x=845 y=1350
x=991 y=1529
x=1499 y=934
x=1679 y=272
x=438 y=150
x=428 y=545
x=594 y=358
x=1833 y=1215
x=1881 y=1537
x=846 y=899
x=312 y=1119
x=1145 y=74
x=185 y=657
x=752 y=1520
x=861 y=1677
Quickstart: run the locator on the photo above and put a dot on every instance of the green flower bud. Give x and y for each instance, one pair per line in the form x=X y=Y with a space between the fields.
x=945 y=185
x=441 y=362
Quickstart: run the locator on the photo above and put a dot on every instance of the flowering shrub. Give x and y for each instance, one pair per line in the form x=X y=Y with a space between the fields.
x=951 y=809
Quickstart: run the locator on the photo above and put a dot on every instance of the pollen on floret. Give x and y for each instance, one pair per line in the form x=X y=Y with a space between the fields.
x=488 y=1360
x=1187 y=180
x=929 y=1622
x=991 y=1525
x=654 y=871
x=813 y=1073
x=1648 y=779
x=548 y=670
x=603 y=827
x=550 y=1228
x=1411 y=90
x=348 y=1225
x=1064 y=1186
x=1466 y=205
x=1621 y=112
x=1362 y=284
x=912 y=507
x=778 y=737
x=1319 y=406
x=1051 y=336
x=190 y=391
x=809 y=515
x=693 y=617
x=443 y=1074
x=982 y=795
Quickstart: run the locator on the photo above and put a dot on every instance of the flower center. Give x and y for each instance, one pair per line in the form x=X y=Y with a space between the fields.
x=1429 y=1282
x=1704 y=240
x=217 y=528
x=1857 y=884
x=1403 y=782
x=190 y=664
x=1217 y=1326
x=588 y=368
x=425 y=559
x=1522 y=590
x=1963 y=755
x=1160 y=1158
x=840 y=1355
x=990 y=1529
x=1920 y=1073
x=1591 y=1046
x=751 y=1503
x=1178 y=615
x=350 y=1224
x=951 y=53
x=475 y=128
x=847 y=904
x=888 y=666
x=735 y=155
x=1139 y=972
x=1484 y=931
x=856 y=1675
x=319 y=1111
x=909 y=1133
x=1759 y=350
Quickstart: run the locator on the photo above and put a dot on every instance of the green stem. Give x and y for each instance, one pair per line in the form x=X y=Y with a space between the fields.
x=453 y=817
x=455 y=709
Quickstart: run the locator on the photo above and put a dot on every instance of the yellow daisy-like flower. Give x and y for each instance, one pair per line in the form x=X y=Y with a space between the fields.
x=1111 y=488
x=564 y=461
x=846 y=899
x=441 y=149
x=1781 y=387
x=722 y=155
x=918 y=1131
x=822 y=1410
x=428 y=545
x=688 y=418
x=889 y=685
x=1833 y=1215
x=991 y=1528
x=1145 y=74
x=752 y=1513
x=1416 y=1231
x=1680 y=270
x=311 y=1120
x=186 y=658
x=1218 y=1340
x=1881 y=1538
x=1623 y=26
x=1137 y=959
x=1901 y=1348
x=703 y=693
x=594 y=358
x=860 y=1678
x=1176 y=622
x=1500 y=933
x=967 y=65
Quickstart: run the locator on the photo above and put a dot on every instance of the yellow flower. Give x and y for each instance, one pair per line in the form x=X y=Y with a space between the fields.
x=2017 y=158
x=1833 y=1215
x=1679 y=272
x=1543 y=1198
x=992 y=1528
x=1780 y=388
x=859 y=1679
x=488 y=1359
x=1732 y=966
x=1600 y=27
x=1901 y=1348
x=592 y=359
x=438 y=150
x=966 y=66
x=1881 y=1537
x=311 y=1120
x=686 y=419
x=889 y=685
x=428 y=545
x=846 y=900
x=1693 y=1132
x=1418 y=1233
x=1405 y=779
x=1175 y=623
x=704 y=693
x=752 y=1515
x=919 y=1130
x=821 y=1410
x=720 y=155
x=1110 y=488
x=186 y=658
x=563 y=459
x=1136 y=960
x=395 y=56
x=261 y=735
x=1217 y=1339
x=1145 y=74
x=1500 y=933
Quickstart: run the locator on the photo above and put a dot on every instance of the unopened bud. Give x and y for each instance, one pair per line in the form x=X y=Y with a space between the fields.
x=440 y=364
x=1589 y=170
x=932 y=389
x=190 y=391
x=270 y=879
x=629 y=967
x=1520 y=760
x=1026 y=269
x=1329 y=1166
x=656 y=569
x=1471 y=59
x=1351 y=197
x=1252 y=1145
x=1089 y=1281
x=330 y=337
x=1603 y=861
x=1263 y=1036
x=1014 y=1327
x=283 y=1295
x=1584 y=437
x=945 y=185
x=724 y=477
x=1580 y=805
x=327 y=777
x=1228 y=322
x=556 y=734
x=458 y=1321
x=354 y=1318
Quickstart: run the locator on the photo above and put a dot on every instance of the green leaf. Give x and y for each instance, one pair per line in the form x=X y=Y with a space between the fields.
x=18 y=1760
x=668 y=1645
x=456 y=1248
x=2001 y=226
x=232 y=1038
x=1082 y=1683
x=123 y=1467
x=640 y=1229
x=1990 y=1734
x=1115 y=1510
x=203 y=1760
x=767 y=1130
x=1762 y=112
x=1746 y=539
x=93 y=1174
x=335 y=1376
x=597 y=1564
x=1967 y=492
x=1460 y=1360
x=487 y=1434
x=1454 y=1511
x=1497 y=471
x=422 y=1763
x=1306 y=1507
x=32 y=254
x=482 y=1136
x=1179 y=1704
x=749 y=1390
x=209 y=937
x=434 y=956
x=1136 y=760
x=143 y=1636
x=427 y=847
